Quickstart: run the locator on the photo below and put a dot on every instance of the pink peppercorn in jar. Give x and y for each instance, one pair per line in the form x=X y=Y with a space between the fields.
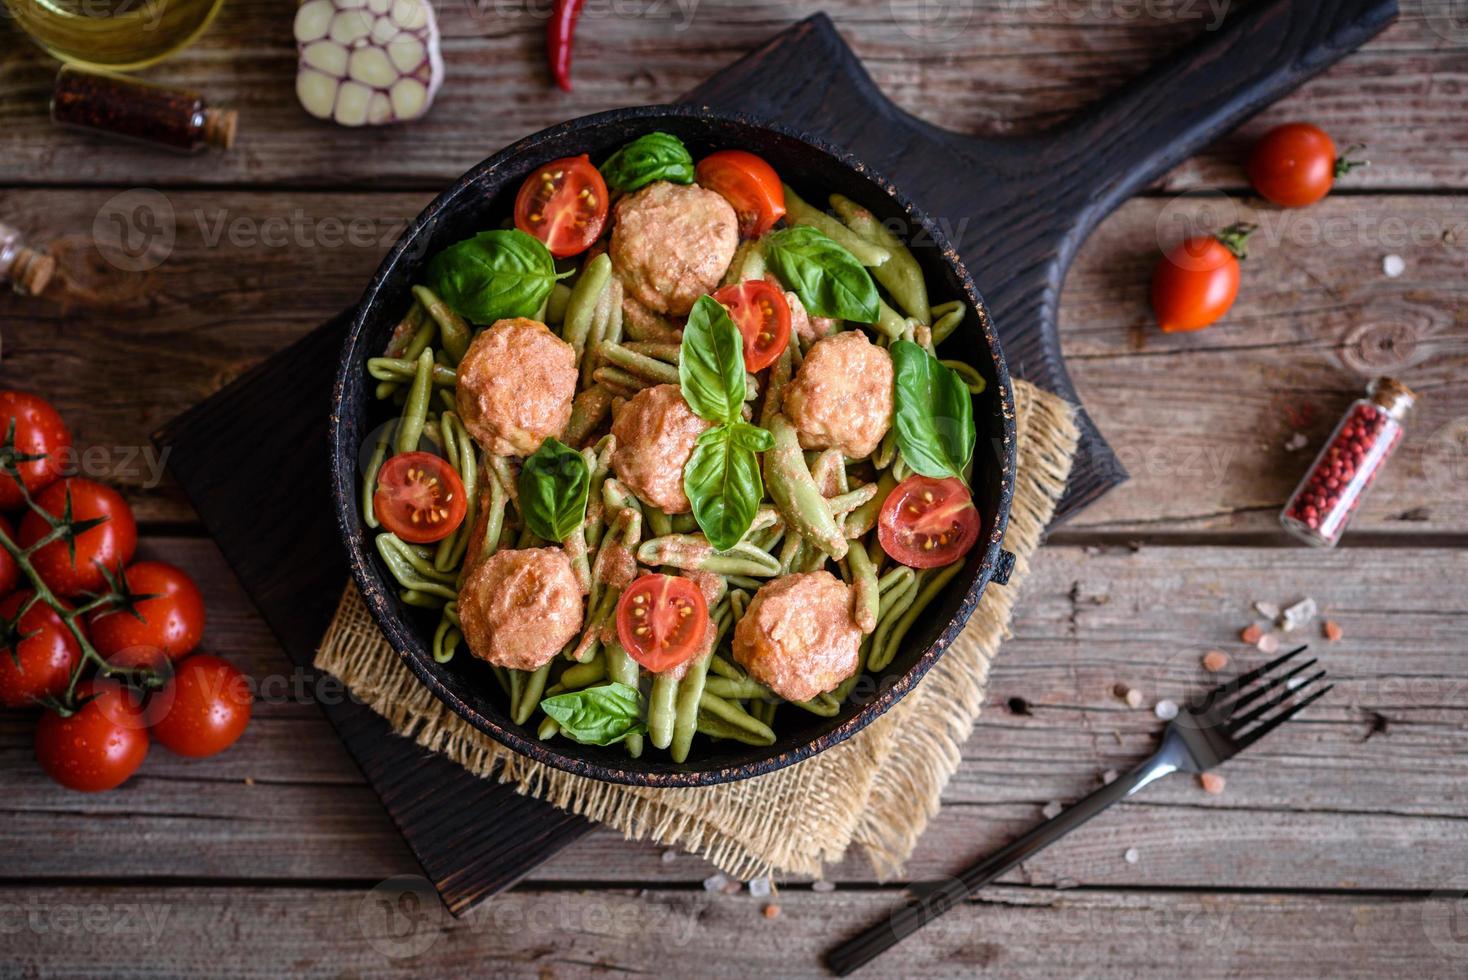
x=1323 y=503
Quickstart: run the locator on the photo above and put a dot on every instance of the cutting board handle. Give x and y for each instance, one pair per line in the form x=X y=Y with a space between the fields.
x=1139 y=133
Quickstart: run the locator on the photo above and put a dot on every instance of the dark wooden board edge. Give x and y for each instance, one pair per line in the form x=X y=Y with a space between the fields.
x=474 y=837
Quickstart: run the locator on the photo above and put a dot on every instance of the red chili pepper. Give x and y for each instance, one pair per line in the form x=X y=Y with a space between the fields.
x=560 y=34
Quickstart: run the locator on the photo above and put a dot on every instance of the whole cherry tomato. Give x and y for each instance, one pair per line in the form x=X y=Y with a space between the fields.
x=38 y=431
x=749 y=184
x=1296 y=164
x=928 y=523
x=9 y=570
x=99 y=746
x=1196 y=283
x=40 y=665
x=172 y=621
x=208 y=706
x=564 y=204
x=109 y=544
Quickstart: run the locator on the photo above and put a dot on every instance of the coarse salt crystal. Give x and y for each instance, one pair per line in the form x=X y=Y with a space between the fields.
x=1166 y=710
x=823 y=886
x=1267 y=609
x=1268 y=643
x=715 y=883
x=1250 y=634
x=1051 y=810
x=1109 y=776
x=1331 y=630
x=669 y=856
x=1214 y=661
x=771 y=911
x=1211 y=782
x=760 y=887
x=1296 y=442
x=1393 y=266
x=1131 y=856
x=1300 y=614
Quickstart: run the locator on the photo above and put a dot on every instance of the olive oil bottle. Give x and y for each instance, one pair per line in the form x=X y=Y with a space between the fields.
x=116 y=34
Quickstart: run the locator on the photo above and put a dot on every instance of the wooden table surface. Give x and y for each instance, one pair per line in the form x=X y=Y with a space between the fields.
x=1340 y=847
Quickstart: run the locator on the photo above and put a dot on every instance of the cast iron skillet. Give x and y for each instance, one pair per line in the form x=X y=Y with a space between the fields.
x=481 y=199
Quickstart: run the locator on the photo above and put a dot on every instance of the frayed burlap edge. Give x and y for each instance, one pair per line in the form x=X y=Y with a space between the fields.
x=796 y=820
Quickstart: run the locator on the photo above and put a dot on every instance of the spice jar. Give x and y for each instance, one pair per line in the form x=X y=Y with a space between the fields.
x=27 y=270
x=107 y=103
x=1321 y=506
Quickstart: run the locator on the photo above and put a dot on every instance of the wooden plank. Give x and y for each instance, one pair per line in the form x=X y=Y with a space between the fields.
x=991 y=66
x=1201 y=420
x=1017 y=932
x=1339 y=800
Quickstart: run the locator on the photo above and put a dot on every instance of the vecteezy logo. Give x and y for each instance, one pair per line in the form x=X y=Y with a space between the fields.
x=402 y=917
x=1190 y=215
x=932 y=20
x=1445 y=921
x=1448 y=19
x=135 y=230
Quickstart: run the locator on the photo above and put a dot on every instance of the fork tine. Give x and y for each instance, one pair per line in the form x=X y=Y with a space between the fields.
x=1280 y=719
x=1224 y=690
x=1238 y=724
x=1250 y=697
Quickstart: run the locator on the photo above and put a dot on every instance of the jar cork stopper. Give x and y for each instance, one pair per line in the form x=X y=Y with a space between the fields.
x=220 y=126
x=31 y=271
x=1393 y=396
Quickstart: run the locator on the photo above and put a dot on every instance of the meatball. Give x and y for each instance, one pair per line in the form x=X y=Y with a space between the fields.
x=808 y=328
x=519 y=608
x=841 y=397
x=671 y=244
x=516 y=383
x=655 y=433
x=797 y=637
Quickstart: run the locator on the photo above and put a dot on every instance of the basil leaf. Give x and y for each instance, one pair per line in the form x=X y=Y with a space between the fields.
x=602 y=715
x=933 y=413
x=494 y=275
x=722 y=480
x=656 y=156
x=553 y=486
x=711 y=365
x=827 y=278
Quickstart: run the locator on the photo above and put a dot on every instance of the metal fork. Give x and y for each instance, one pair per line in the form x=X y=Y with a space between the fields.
x=1211 y=729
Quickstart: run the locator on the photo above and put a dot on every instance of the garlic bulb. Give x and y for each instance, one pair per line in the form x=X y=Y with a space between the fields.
x=367 y=62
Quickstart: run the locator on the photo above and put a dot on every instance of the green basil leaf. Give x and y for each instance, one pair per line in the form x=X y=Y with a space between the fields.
x=711 y=365
x=602 y=715
x=933 y=413
x=827 y=278
x=494 y=275
x=722 y=480
x=553 y=486
x=655 y=156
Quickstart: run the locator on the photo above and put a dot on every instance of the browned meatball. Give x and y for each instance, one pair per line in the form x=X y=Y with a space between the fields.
x=797 y=637
x=655 y=433
x=841 y=397
x=519 y=608
x=671 y=244
x=516 y=383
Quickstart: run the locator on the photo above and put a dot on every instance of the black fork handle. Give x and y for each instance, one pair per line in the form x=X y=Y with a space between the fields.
x=856 y=953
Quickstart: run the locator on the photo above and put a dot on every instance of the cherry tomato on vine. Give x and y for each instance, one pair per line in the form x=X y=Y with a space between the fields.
x=927 y=523
x=1296 y=164
x=38 y=430
x=564 y=204
x=749 y=184
x=40 y=665
x=109 y=544
x=661 y=621
x=9 y=570
x=758 y=308
x=419 y=497
x=1196 y=283
x=99 y=746
x=172 y=622
x=208 y=707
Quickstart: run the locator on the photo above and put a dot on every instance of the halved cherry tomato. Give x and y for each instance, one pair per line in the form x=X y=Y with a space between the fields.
x=759 y=310
x=39 y=431
x=661 y=621
x=109 y=544
x=99 y=746
x=925 y=523
x=564 y=204
x=419 y=497
x=749 y=184
x=1296 y=164
x=1196 y=283
x=40 y=665
x=171 y=622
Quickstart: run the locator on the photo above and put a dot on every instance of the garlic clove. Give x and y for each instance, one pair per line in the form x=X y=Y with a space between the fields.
x=313 y=20
x=351 y=104
x=317 y=92
x=372 y=67
x=407 y=54
x=326 y=57
x=409 y=97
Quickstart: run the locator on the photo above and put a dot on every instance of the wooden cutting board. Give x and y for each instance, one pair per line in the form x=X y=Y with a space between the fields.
x=1017 y=210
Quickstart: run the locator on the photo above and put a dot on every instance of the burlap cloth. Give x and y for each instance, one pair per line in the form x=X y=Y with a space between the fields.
x=878 y=789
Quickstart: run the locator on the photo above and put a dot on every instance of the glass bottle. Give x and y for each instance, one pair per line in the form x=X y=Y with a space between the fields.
x=27 y=270
x=1321 y=506
x=122 y=106
x=117 y=34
